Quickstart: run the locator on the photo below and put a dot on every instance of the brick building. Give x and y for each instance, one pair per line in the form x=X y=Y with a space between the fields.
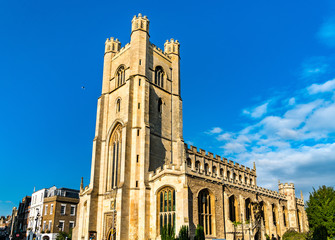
x=59 y=212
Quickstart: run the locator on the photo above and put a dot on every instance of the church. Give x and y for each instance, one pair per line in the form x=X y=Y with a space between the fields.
x=143 y=175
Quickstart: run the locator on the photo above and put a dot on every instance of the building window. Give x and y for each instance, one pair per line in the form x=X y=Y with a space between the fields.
x=228 y=175
x=114 y=157
x=46 y=210
x=159 y=105
x=274 y=215
x=214 y=170
x=263 y=211
x=245 y=180
x=62 y=209
x=234 y=176
x=50 y=223
x=205 y=206
x=51 y=209
x=159 y=76
x=197 y=166
x=44 y=225
x=250 y=181
x=71 y=225
x=73 y=210
x=232 y=209
x=206 y=169
x=120 y=76
x=240 y=178
x=247 y=209
x=61 y=226
x=189 y=162
x=284 y=216
x=166 y=208
x=118 y=105
x=221 y=172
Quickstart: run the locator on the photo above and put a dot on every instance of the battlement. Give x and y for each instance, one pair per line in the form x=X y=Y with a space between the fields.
x=285 y=185
x=172 y=47
x=140 y=23
x=160 y=51
x=219 y=159
x=112 y=45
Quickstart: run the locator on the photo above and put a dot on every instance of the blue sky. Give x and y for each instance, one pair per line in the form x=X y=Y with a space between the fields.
x=257 y=79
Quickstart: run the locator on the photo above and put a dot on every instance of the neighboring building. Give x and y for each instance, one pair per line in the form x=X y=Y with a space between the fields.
x=35 y=214
x=59 y=212
x=144 y=177
x=20 y=223
x=13 y=224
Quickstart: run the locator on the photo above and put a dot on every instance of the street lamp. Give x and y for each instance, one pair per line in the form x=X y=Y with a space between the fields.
x=36 y=220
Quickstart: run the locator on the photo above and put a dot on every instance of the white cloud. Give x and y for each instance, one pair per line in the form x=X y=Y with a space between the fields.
x=224 y=136
x=257 y=112
x=296 y=141
x=321 y=88
x=215 y=130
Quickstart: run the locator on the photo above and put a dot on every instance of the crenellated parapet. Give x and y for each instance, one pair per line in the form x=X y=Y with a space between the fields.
x=140 y=23
x=112 y=45
x=172 y=47
x=159 y=51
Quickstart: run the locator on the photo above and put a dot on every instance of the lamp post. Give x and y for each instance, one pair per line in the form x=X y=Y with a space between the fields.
x=36 y=221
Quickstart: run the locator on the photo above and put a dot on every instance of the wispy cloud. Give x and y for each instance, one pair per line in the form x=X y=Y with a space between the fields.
x=289 y=141
x=327 y=32
x=321 y=88
x=258 y=111
x=214 y=130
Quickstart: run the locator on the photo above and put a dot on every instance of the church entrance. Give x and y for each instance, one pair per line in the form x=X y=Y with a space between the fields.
x=112 y=234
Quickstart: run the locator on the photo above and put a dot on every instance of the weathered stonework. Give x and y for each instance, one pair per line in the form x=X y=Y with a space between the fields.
x=143 y=176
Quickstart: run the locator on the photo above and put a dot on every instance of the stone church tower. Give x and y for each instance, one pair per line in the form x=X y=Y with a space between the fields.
x=143 y=176
x=138 y=129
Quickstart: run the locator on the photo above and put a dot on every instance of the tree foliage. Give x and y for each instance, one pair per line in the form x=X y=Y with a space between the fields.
x=321 y=212
x=167 y=232
x=199 y=233
x=183 y=233
x=63 y=236
x=294 y=235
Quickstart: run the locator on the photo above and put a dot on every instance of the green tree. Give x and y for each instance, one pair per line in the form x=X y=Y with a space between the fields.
x=321 y=211
x=199 y=233
x=183 y=233
x=293 y=235
x=167 y=232
x=63 y=235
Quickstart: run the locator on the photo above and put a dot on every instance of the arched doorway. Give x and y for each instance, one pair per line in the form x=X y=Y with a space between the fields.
x=112 y=234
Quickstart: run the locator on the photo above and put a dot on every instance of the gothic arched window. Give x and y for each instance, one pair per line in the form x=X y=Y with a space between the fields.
x=232 y=208
x=166 y=214
x=197 y=166
x=120 y=76
x=221 y=172
x=274 y=210
x=228 y=175
x=284 y=216
x=214 y=170
x=206 y=169
x=114 y=158
x=206 y=211
x=247 y=209
x=189 y=162
x=159 y=76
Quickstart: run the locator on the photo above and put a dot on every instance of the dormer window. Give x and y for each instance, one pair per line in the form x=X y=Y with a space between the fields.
x=120 y=76
x=159 y=76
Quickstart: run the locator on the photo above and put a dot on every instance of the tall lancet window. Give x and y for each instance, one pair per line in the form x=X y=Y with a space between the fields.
x=120 y=76
x=114 y=159
x=159 y=76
